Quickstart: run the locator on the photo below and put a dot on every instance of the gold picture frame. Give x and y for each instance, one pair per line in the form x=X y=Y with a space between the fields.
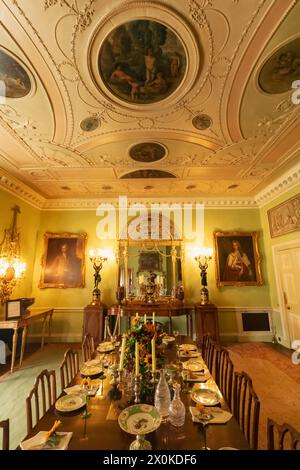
x=237 y=259
x=63 y=261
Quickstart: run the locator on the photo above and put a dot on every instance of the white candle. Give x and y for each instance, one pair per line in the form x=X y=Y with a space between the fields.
x=137 y=359
x=145 y=319
x=153 y=318
x=137 y=315
x=122 y=353
x=153 y=345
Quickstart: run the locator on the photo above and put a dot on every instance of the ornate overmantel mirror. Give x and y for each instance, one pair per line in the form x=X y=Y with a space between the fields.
x=150 y=270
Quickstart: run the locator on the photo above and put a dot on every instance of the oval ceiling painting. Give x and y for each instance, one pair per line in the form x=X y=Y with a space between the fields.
x=148 y=174
x=13 y=77
x=281 y=69
x=147 y=152
x=142 y=61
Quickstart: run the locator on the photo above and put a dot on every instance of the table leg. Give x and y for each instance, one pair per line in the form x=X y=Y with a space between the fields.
x=14 y=349
x=129 y=321
x=191 y=325
x=24 y=336
x=50 y=325
x=170 y=325
x=187 y=324
x=43 y=333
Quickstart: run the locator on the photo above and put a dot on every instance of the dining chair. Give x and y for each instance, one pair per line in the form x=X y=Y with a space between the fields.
x=5 y=439
x=246 y=407
x=209 y=353
x=224 y=374
x=88 y=348
x=282 y=437
x=69 y=367
x=44 y=396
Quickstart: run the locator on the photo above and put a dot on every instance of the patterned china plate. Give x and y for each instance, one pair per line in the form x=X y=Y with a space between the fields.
x=90 y=370
x=188 y=347
x=190 y=354
x=139 y=419
x=168 y=339
x=106 y=347
x=68 y=403
x=205 y=396
x=193 y=366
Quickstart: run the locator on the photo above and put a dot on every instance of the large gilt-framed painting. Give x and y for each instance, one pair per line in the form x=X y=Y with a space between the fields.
x=63 y=262
x=285 y=217
x=238 y=262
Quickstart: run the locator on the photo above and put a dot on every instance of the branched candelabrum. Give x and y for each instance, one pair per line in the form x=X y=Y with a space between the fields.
x=97 y=257
x=203 y=256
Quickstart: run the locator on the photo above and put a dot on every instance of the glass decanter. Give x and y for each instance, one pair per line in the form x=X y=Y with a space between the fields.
x=162 y=397
x=177 y=408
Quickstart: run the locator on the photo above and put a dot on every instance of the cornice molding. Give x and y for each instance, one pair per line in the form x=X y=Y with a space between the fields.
x=279 y=186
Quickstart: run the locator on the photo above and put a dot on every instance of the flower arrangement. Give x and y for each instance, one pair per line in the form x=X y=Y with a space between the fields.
x=143 y=333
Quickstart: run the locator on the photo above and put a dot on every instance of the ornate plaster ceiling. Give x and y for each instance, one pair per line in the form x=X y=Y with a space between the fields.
x=68 y=134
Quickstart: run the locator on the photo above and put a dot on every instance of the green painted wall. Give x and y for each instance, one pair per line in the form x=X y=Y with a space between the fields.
x=28 y=224
x=270 y=243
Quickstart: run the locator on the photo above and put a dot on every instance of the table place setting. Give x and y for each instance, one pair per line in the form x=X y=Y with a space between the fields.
x=215 y=414
x=48 y=440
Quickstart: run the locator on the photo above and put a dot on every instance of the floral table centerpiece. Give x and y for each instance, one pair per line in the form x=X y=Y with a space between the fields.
x=143 y=354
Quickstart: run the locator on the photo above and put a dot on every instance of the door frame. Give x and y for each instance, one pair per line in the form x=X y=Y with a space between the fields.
x=283 y=314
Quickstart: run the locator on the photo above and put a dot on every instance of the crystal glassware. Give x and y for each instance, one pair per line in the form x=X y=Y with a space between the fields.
x=162 y=396
x=204 y=419
x=177 y=408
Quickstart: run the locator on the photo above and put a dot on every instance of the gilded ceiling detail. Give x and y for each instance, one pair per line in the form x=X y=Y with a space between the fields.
x=75 y=121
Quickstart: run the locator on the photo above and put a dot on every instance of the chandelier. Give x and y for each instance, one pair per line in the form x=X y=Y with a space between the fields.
x=12 y=267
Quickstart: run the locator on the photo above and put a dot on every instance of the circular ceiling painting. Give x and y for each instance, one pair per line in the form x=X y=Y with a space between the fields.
x=202 y=122
x=281 y=69
x=89 y=124
x=148 y=174
x=142 y=61
x=14 y=80
x=147 y=152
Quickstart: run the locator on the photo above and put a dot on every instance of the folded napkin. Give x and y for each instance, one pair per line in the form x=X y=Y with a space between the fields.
x=196 y=376
x=219 y=416
x=72 y=390
x=40 y=442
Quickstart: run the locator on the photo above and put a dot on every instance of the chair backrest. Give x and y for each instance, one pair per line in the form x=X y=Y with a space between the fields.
x=88 y=348
x=204 y=345
x=282 y=437
x=209 y=353
x=44 y=395
x=69 y=367
x=246 y=407
x=5 y=440
x=224 y=374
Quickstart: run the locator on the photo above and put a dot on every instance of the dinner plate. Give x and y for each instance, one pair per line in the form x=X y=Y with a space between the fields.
x=168 y=339
x=68 y=403
x=193 y=366
x=228 y=448
x=106 y=347
x=90 y=370
x=189 y=354
x=139 y=419
x=197 y=376
x=188 y=347
x=205 y=396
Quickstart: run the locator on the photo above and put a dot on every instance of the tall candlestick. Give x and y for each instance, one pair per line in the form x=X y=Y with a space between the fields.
x=122 y=353
x=137 y=315
x=153 y=345
x=145 y=318
x=137 y=359
x=153 y=318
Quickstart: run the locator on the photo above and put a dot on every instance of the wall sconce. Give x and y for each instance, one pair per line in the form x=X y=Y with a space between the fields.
x=202 y=256
x=11 y=266
x=98 y=256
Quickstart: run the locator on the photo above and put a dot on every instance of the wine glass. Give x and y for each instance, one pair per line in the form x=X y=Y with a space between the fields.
x=204 y=417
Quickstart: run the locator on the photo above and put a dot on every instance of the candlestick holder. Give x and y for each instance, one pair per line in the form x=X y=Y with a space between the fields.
x=137 y=383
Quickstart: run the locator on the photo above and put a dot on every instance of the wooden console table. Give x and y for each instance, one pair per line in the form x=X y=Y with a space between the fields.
x=206 y=321
x=163 y=309
x=24 y=322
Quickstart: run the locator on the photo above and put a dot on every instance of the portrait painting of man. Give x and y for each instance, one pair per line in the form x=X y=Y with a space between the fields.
x=237 y=259
x=63 y=261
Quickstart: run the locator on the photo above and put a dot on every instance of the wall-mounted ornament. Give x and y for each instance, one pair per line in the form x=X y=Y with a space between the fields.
x=90 y=124
x=142 y=61
x=202 y=122
x=147 y=152
x=148 y=173
x=16 y=80
x=281 y=69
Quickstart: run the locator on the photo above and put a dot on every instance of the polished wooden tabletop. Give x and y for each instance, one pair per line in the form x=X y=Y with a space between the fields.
x=101 y=430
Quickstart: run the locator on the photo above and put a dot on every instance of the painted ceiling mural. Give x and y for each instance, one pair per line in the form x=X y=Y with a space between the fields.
x=98 y=95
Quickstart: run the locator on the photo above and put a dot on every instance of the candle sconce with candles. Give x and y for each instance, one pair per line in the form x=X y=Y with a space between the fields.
x=202 y=256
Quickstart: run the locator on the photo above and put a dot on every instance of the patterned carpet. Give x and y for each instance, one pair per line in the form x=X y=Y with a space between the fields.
x=276 y=381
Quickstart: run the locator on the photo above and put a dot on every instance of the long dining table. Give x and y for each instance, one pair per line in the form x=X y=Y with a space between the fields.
x=101 y=431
